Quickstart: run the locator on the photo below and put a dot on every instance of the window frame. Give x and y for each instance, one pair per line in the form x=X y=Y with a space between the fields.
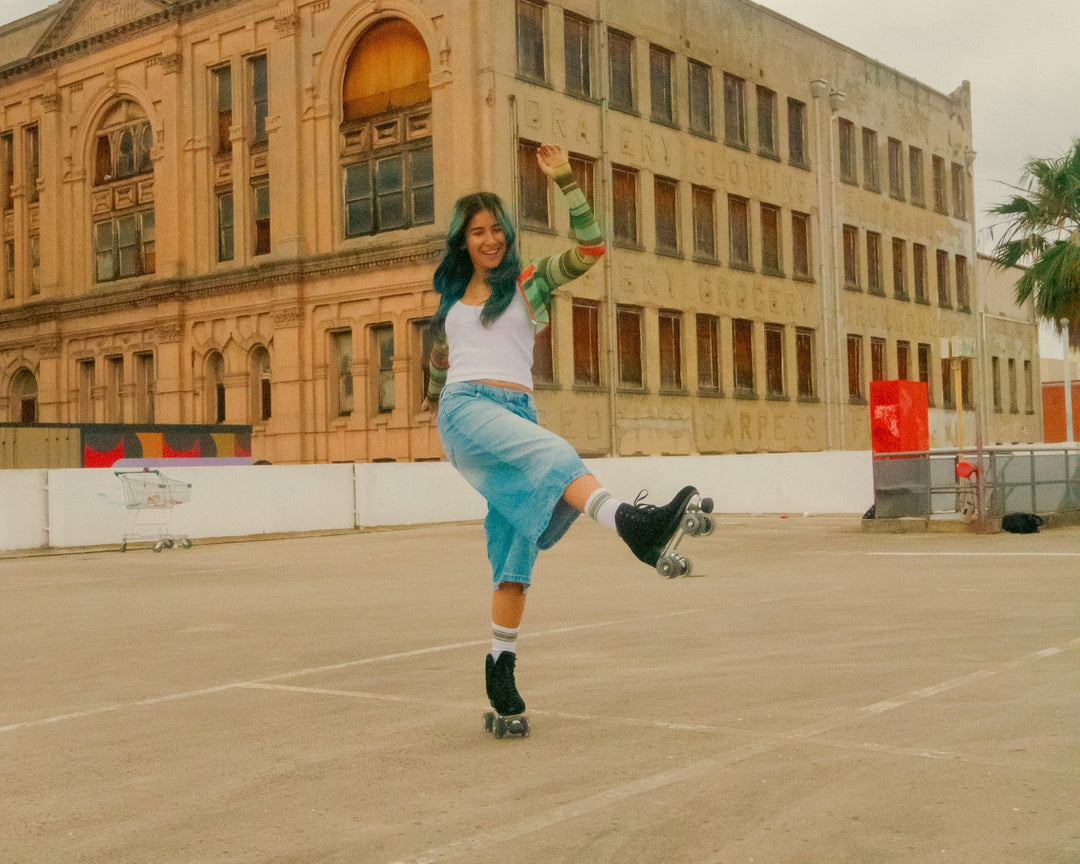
x=622 y=90
x=531 y=53
x=735 y=112
x=662 y=85
x=700 y=104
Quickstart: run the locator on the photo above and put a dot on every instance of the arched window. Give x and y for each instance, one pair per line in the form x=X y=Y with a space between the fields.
x=24 y=396
x=260 y=384
x=122 y=200
x=387 y=166
x=215 y=388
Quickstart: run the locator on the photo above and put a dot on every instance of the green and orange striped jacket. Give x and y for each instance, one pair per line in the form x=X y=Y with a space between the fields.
x=541 y=277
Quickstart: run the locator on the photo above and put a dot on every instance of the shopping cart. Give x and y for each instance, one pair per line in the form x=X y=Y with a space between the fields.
x=150 y=497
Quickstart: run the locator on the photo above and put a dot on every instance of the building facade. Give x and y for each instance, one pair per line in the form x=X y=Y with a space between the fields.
x=229 y=211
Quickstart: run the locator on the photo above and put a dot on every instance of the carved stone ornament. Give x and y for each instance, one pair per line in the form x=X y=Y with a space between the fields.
x=172 y=63
x=169 y=333
x=286 y=317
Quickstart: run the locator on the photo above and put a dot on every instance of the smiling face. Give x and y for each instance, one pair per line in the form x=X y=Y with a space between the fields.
x=485 y=242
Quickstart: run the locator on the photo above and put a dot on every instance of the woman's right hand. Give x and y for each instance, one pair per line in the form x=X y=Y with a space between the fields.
x=550 y=157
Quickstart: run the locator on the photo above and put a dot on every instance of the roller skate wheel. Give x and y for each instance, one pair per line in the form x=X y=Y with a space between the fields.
x=708 y=524
x=672 y=566
x=706 y=505
x=500 y=727
x=489 y=720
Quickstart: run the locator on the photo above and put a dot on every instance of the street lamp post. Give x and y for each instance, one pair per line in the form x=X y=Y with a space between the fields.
x=1067 y=381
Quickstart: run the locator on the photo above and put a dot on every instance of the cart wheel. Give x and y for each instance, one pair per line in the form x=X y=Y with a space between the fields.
x=159 y=545
x=123 y=546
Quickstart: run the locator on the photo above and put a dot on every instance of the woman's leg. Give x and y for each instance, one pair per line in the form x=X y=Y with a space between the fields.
x=579 y=490
x=508 y=605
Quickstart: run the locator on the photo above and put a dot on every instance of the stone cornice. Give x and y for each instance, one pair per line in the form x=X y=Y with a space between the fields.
x=151 y=292
x=48 y=55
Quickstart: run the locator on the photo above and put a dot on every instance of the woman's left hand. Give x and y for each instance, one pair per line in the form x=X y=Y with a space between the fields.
x=550 y=157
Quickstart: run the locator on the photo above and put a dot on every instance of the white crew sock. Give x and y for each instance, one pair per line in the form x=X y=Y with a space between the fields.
x=601 y=506
x=503 y=639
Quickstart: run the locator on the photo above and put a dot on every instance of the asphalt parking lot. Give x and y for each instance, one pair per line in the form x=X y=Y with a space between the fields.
x=812 y=695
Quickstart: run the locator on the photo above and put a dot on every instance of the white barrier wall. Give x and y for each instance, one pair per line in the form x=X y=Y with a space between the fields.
x=86 y=507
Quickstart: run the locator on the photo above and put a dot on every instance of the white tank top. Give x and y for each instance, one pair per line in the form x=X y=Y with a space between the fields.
x=501 y=352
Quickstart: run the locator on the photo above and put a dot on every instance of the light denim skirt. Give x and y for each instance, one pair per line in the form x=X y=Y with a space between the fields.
x=491 y=436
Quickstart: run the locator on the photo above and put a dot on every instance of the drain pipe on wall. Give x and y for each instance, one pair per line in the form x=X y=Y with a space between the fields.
x=820 y=88
x=609 y=223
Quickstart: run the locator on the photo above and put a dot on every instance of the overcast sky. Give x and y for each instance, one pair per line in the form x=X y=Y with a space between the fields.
x=1020 y=58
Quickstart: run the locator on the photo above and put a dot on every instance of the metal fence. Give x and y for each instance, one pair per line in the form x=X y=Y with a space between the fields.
x=989 y=482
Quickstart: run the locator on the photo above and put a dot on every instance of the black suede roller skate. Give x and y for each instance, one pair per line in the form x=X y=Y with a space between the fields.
x=508 y=714
x=653 y=533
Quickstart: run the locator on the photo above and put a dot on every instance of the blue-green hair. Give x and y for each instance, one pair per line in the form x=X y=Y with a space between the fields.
x=456 y=269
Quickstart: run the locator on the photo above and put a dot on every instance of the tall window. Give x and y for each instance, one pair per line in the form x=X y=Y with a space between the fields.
x=123 y=230
x=340 y=371
x=877 y=359
x=32 y=141
x=995 y=379
x=660 y=90
x=734 y=111
x=871 y=175
x=222 y=83
x=260 y=99
x=87 y=382
x=422 y=342
x=666 y=208
x=941 y=193
x=896 y=169
x=943 y=291
x=387 y=164
x=959 y=192
x=846 y=133
x=903 y=360
x=708 y=353
x=9 y=268
x=1029 y=388
x=226 y=227
x=948 y=389
x=851 y=257
x=144 y=387
x=382 y=353
x=854 y=368
x=577 y=50
x=796 y=118
x=772 y=262
x=670 y=332
x=543 y=368
x=215 y=388
x=899 y=265
x=874 y=282
x=628 y=329
x=739 y=231
x=923 y=352
x=922 y=294
x=700 y=86
x=530 y=40
x=800 y=245
x=804 y=363
x=1013 y=399
x=624 y=196
x=260 y=215
x=963 y=295
x=261 y=392
x=704 y=215
x=742 y=355
x=586 y=326
x=915 y=176
x=24 y=397
x=33 y=243
x=7 y=170
x=534 y=187
x=774 y=360
x=621 y=63
x=584 y=171
x=768 y=145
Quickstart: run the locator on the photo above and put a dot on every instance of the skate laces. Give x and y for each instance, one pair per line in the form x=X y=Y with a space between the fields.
x=639 y=504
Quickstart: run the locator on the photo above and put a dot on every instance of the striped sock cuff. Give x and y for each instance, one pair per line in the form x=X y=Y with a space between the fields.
x=596 y=501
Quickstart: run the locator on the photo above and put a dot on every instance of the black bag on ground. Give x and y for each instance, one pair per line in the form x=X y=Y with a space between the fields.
x=1021 y=523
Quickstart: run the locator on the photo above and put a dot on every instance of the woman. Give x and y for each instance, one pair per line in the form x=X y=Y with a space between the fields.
x=490 y=310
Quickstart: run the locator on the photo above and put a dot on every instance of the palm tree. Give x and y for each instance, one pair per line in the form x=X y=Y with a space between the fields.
x=1042 y=236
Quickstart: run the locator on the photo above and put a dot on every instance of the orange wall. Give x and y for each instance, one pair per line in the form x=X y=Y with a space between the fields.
x=1054 y=411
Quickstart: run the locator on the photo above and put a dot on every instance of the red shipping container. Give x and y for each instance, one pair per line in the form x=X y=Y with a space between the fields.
x=899 y=421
